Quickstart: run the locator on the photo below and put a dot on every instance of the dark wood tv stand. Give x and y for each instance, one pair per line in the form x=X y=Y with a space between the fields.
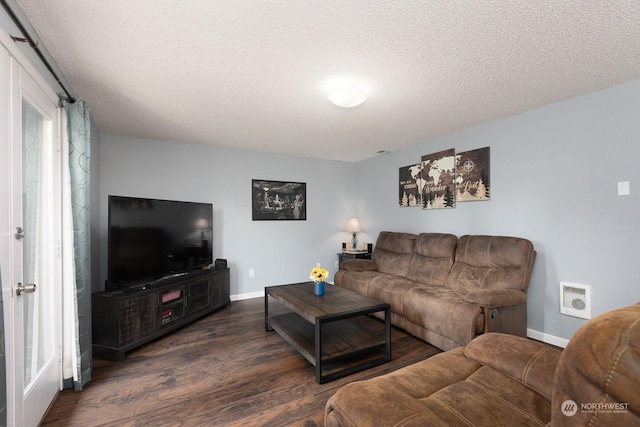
x=126 y=318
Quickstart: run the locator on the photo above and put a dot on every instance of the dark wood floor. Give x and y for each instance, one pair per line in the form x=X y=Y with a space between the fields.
x=222 y=370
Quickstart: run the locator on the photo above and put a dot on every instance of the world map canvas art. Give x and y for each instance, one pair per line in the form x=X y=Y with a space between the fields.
x=438 y=180
x=443 y=179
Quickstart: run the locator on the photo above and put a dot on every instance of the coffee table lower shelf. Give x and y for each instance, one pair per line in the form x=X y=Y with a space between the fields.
x=336 y=348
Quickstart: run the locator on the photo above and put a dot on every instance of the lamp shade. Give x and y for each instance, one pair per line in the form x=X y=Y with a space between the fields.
x=353 y=226
x=202 y=224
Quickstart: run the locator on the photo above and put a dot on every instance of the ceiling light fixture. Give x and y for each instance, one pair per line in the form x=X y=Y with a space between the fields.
x=347 y=98
x=347 y=93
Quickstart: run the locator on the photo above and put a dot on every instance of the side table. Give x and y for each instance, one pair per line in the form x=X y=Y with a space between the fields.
x=343 y=256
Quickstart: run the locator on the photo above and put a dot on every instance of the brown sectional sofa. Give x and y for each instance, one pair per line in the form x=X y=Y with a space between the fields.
x=447 y=290
x=504 y=380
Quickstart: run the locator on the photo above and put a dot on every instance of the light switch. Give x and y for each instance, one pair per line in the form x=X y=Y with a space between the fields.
x=623 y=188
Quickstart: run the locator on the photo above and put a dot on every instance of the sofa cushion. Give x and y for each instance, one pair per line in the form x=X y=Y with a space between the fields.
x=533 y=364
x=357 y=281
x=358 y=265
x=491 y=262
x=444 y=311
x=433 y=257
x=398 y=394
x=446 y=389
x=393 y=252
x=391 y=289
x=489 y=398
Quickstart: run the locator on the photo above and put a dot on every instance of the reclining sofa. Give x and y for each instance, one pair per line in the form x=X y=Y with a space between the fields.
x=443 y=289
x=504 y=380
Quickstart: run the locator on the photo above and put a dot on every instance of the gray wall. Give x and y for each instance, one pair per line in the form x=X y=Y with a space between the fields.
x=278 y=251
x=553 y=180
x=554 y=174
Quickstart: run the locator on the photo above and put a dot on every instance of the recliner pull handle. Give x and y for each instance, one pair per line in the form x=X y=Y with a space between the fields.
x=494 y=313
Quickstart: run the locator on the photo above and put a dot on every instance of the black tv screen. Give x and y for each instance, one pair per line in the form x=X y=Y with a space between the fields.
x=150 y=239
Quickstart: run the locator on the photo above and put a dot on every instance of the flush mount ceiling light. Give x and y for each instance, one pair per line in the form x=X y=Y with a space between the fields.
x=347 y=92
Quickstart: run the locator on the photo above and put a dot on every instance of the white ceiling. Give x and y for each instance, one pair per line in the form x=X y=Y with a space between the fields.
x=251 y=74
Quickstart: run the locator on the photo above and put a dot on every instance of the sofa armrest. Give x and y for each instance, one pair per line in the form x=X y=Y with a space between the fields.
x=490 y=298
x=530 y=362
x=358 y=265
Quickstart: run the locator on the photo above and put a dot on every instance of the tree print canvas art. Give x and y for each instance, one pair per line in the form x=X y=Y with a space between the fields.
x=410 y=187
x=473 y=178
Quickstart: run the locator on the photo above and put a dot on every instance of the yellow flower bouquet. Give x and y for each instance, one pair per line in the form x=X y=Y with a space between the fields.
x=318 y=275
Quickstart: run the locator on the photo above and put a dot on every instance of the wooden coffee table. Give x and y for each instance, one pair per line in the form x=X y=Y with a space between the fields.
x=331 y=331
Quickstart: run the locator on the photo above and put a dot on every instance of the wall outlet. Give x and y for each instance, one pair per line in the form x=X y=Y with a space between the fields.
x=252 y=272
x=336 y=265
x=318 y=264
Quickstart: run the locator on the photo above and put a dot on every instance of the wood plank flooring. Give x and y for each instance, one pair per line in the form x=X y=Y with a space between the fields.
x=222 y=370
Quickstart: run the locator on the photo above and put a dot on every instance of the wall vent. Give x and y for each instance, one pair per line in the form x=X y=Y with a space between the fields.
x=575 y=300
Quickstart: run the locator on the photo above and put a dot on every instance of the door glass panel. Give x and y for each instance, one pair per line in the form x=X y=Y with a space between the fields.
x=36 y=337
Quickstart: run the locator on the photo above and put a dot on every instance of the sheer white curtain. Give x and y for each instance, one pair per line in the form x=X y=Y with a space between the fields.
x=70 y=368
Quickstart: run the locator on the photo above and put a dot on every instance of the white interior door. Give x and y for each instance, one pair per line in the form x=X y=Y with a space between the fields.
x=32 y=284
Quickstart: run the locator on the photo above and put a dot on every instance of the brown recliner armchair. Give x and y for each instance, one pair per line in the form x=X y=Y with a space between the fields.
x=505 y=380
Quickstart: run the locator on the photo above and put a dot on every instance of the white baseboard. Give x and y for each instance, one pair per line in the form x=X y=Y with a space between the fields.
x=250 y=295
x=259 y=294
x=548 y=338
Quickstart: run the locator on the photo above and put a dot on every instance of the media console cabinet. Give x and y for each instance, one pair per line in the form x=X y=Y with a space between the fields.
x=126 y=318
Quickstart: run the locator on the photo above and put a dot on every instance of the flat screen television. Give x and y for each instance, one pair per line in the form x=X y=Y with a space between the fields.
x=151 y=239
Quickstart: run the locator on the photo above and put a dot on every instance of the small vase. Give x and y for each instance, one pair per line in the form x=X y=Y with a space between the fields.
x=318 y=288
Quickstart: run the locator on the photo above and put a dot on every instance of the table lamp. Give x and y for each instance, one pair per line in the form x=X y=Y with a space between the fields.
x=202 y=225
x=353 y=227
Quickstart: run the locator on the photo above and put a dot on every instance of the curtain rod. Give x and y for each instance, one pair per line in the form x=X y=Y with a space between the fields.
x=34 y=45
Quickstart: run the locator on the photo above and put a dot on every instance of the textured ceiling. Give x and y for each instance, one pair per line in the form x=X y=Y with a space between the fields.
x=252 y=75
